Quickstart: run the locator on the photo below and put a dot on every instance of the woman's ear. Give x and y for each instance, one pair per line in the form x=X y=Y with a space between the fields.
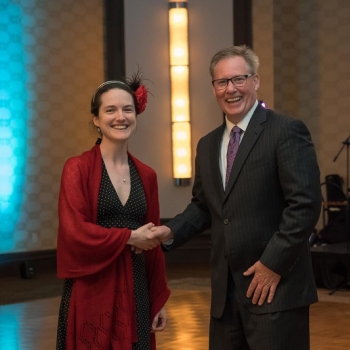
x=95 y=120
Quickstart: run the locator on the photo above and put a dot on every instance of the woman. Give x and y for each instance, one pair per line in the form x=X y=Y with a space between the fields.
x=115 y=285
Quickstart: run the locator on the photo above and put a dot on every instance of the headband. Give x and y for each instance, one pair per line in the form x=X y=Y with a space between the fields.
x=140 y=94
x=107 y=83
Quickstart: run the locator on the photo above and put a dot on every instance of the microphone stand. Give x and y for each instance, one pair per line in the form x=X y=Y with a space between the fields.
x=346 y=281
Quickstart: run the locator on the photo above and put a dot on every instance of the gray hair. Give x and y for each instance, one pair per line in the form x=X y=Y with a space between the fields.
x=242 y=50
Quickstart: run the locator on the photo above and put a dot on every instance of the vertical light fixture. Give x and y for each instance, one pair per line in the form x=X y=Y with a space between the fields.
x=180 y=99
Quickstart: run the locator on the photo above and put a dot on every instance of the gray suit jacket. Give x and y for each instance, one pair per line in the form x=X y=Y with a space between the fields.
x=268 y=211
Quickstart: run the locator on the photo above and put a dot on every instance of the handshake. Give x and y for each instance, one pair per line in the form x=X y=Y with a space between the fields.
x=148 y=237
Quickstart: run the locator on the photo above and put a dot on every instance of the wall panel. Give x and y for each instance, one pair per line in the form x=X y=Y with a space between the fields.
x=51 y=60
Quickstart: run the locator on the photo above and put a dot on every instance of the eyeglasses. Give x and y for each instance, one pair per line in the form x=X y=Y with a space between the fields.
x=238 y=80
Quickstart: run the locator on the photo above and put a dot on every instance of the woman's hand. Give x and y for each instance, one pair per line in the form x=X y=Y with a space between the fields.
x=159 y=321
x=138 y=238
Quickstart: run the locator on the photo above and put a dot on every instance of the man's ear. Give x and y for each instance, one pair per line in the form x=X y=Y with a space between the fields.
x=256 y=81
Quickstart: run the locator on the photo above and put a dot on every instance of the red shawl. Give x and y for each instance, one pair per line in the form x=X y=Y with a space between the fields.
x=102 y=305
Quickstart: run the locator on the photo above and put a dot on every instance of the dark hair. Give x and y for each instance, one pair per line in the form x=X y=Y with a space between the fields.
x=128 y=85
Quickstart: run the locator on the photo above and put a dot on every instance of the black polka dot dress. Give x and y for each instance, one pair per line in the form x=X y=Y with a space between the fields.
x=63 y=315
x=112 y=213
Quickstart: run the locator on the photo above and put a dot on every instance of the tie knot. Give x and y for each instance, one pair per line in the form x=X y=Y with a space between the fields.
x=236 y=130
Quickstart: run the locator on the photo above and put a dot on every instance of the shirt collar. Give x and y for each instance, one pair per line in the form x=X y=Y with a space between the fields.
x=243 y=124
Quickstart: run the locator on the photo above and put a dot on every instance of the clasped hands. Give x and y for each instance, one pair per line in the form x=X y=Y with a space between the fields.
x=148 y=237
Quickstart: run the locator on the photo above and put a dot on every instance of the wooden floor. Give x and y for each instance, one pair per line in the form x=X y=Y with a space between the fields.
x=31 y=325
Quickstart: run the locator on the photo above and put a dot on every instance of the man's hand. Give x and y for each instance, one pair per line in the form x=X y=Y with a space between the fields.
x=163 y=233
x=263 y=284
x=159 y=321
x=140 y=241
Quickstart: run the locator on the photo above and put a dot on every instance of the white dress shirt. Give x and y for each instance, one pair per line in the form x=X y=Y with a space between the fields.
x=243 y=124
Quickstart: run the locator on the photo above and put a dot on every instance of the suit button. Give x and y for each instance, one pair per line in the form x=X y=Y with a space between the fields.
x=226 y=221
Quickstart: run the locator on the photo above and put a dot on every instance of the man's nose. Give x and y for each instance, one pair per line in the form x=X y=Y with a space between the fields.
x=230 y=85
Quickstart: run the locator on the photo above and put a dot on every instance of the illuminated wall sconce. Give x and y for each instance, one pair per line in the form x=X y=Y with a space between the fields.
x=180 y=99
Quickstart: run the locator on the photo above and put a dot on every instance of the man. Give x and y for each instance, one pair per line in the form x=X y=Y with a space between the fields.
x=262 y=280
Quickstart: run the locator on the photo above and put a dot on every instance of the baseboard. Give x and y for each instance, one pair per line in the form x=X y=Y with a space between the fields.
x=27 y=264
x=19 y=257
x=195 y=251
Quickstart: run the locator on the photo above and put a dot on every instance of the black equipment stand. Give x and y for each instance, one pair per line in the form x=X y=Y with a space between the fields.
x=346 y=281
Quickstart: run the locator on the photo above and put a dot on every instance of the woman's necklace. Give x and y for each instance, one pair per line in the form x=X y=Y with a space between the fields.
x=120 y=172
x=123 y=177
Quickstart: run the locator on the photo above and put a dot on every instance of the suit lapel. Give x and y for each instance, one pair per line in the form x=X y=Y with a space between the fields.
x=251 y=135
x=214 y=156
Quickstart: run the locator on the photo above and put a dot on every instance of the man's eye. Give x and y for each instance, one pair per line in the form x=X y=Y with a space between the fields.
x=239 y=79
x=221 y=82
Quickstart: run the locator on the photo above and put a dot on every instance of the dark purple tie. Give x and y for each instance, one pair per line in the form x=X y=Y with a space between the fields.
x=232 y=149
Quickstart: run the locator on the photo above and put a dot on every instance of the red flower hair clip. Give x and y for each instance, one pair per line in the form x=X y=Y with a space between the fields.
x=141 y=98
